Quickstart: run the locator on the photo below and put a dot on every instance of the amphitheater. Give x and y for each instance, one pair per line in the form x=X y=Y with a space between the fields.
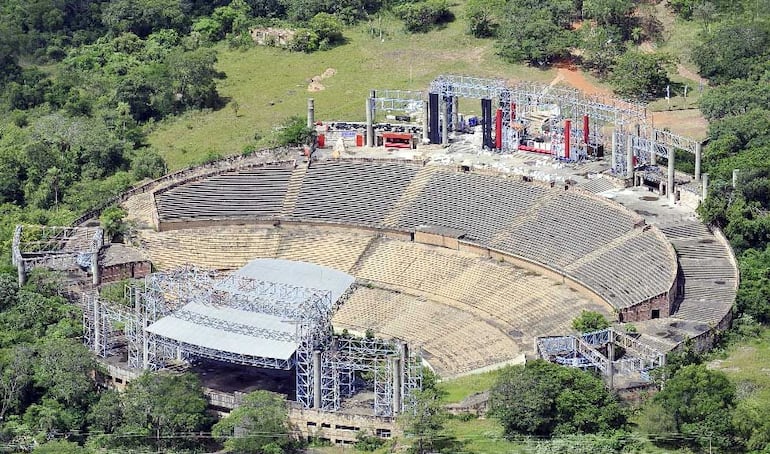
x=470 y=267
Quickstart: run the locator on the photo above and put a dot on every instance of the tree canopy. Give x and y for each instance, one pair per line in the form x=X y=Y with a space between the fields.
x=545 y=399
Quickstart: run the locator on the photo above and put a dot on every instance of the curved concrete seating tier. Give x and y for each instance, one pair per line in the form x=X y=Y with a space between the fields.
x=257 y=192
x=550 y=226
x=351 y=192
x=452 y=341
x=607 y=270
x=231 y=247
x=522 y=303
x=709 y=277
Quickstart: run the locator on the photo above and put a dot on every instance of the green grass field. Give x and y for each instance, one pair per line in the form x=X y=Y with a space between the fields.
x=747 y=363
x=270 y=84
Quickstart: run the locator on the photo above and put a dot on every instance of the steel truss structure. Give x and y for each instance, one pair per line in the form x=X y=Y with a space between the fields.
x=54 y=247
x=325 y=365
x=623 y=128
x=587 y=351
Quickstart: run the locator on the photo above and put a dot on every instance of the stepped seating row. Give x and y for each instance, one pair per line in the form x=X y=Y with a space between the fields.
x=352 y=192
x=710 y=279
x=528 y=304
x=617 y=275
x=547 y=225
x=452 y=340
x=476 y=204
x=566 y=228
x=255 y=192
x=231 y=247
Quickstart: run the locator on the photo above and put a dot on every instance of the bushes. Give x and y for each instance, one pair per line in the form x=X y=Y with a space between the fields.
x=420 y=17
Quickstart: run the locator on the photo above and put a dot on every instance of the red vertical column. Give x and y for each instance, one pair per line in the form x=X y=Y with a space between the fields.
x=499 y=129
x=585 y=129
x=567 y=133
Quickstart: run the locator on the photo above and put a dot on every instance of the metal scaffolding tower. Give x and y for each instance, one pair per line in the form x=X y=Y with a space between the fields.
x=596 y=350
x=325 y=365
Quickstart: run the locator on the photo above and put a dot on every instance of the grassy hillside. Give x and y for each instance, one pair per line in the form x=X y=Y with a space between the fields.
x=270 y=84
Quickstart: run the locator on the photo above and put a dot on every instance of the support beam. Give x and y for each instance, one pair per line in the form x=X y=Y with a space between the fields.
x=22 y=273
x=455 y=113
x=396 y=368
x=425 y=116
x=310 y=113
x=705 y=185
x=629 y=157
x=97 y=327
x=586 y=130
x=735 y=177
x=610 y=364
x=567 y=137
x=499 y=129
x=370 y=119
x=653 y=156
x=614 y=149
x=444 y=121
x=96 y=276
x=317 y=379
x=670 y=184
x=433 y=118
x=698 y=152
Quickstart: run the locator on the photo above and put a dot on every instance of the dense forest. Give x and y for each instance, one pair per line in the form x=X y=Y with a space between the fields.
x=83 y=83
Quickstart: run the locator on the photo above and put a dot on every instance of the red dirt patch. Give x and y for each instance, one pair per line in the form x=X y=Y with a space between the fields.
x=577 y=79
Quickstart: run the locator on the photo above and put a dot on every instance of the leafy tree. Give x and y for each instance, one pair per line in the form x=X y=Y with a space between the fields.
x=295 y=132
x=259 y=424
x=601 y=48
x=608 y=12
x=113 y=222
x=700 y=401
x=328 y=29
x=483 y=17
x=60 y=447
x=192 y=76
x=751 y=420
x=424 y=425
x=640 y=75
x=589 y=321
x=536 y=33
x=15 y=377
x=143 y=17
x=732 y=50
x=161 y=406
x=545 y=399
x=736 y=97
x=421 y=16
x=147 y=163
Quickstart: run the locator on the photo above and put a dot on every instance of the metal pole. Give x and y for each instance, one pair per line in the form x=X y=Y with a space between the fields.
x=629 y=157
x=396 y=367
x=698 y=149
x=310 y=113
x=317 y=379
x=455 y=113
x=444 y=121
x=425 y=115
x=97 y=327
x=614 y=149
x=670 y=183
x=96 y=277
x=22 y=272
x=370 y=119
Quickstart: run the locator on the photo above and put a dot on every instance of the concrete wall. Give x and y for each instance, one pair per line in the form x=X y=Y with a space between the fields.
x=122 y=271
x=643 y=311
x=436 y=239
x=339 y=428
